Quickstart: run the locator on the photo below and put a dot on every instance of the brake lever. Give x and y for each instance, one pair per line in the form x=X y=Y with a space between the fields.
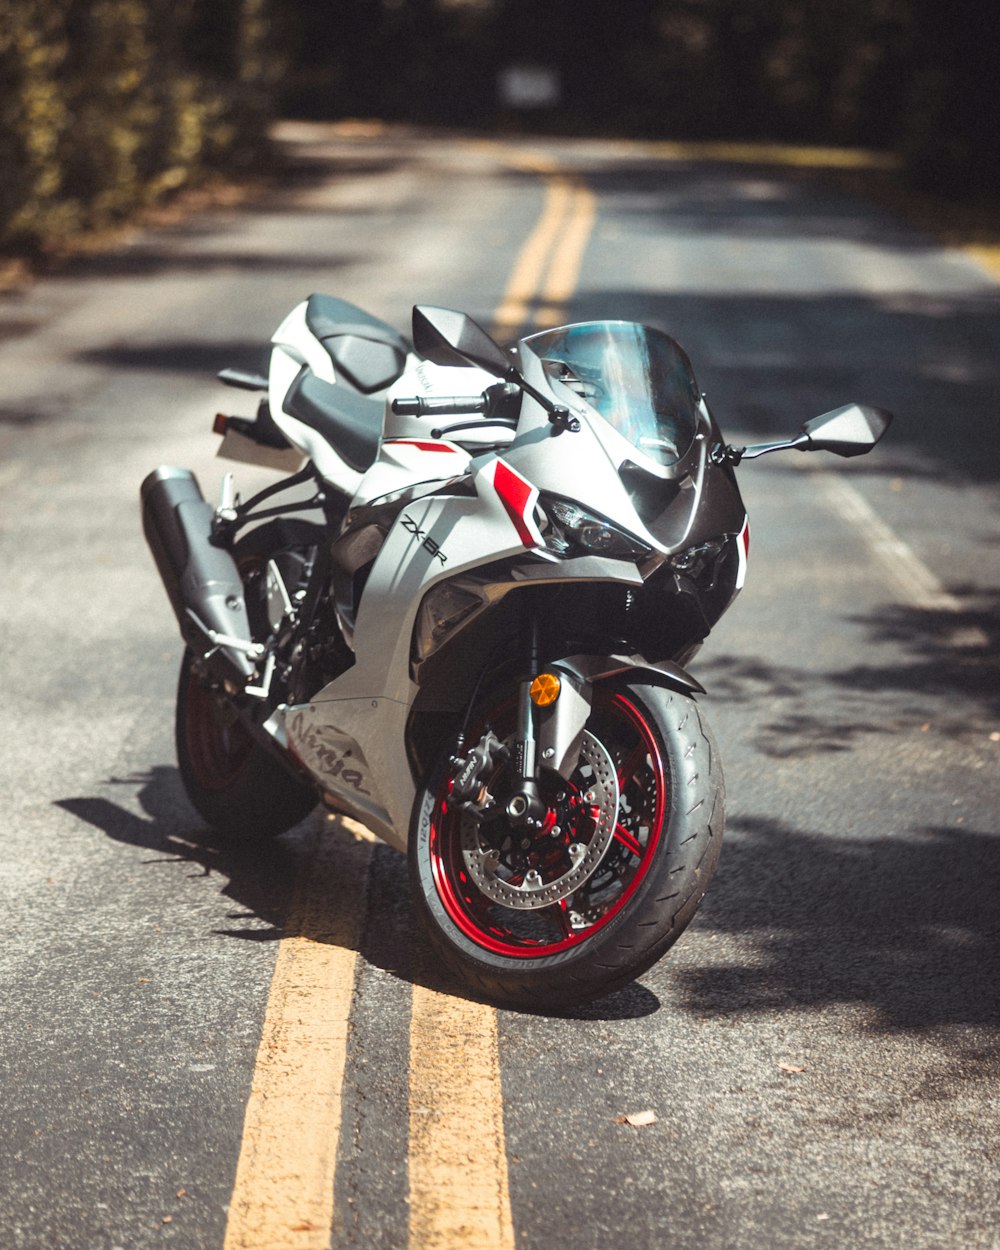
x=474 y=425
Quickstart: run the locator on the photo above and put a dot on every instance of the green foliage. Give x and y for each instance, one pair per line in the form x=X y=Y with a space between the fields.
x=106 y=105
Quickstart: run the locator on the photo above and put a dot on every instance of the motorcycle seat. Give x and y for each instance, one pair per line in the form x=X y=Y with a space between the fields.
x=368 y=353
x=349 y=422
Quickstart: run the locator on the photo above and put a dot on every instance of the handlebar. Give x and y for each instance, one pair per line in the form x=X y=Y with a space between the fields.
x=445 y=405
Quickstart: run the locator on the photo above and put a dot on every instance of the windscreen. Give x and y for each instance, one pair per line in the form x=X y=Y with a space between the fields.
x=638 y=379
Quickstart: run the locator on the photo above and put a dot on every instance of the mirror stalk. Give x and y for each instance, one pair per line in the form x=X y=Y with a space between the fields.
x=800 y=443
x=560 y=417
x=723 y=453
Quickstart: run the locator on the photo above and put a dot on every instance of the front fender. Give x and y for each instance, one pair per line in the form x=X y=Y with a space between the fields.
x=591 y=668
x=559 y=727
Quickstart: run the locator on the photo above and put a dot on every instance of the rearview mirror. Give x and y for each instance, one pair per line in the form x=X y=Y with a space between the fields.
x=848 y=431
x=446 y=337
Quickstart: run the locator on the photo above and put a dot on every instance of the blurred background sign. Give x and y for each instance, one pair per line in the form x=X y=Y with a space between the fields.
x=529 y=86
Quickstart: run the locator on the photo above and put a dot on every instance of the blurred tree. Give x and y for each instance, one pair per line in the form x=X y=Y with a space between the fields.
x=950 y=127
x=107 y=104
x=33 y=112
x=764 y=68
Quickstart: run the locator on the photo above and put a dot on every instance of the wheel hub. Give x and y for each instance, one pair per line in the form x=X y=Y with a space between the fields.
x=553 y=877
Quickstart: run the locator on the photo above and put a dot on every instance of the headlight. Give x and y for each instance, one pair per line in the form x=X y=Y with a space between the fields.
x=569 y=530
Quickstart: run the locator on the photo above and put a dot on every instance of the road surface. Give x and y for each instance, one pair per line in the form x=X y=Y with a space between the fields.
x=210 y=1046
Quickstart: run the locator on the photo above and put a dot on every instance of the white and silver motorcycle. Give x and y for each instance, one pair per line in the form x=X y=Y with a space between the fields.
x=463 y=619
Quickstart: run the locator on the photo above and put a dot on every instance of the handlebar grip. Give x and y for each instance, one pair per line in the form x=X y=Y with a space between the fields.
x=448 y=405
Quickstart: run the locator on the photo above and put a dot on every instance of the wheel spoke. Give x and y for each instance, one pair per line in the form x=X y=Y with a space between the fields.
x=628 y=839
x=561 y=914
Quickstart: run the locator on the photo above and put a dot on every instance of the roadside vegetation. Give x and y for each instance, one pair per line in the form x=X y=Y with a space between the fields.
x=110 y=106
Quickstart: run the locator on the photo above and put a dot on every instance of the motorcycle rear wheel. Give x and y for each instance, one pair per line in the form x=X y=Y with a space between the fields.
x=236 y=785
x=644 y=892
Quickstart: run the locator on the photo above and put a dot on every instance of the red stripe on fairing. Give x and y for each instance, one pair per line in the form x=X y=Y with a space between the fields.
x=421 y=446
x=515 y=495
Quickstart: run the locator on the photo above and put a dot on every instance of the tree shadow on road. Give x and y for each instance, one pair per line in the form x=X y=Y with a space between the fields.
x=932 y=670
x=906 y=926
x=900 y=924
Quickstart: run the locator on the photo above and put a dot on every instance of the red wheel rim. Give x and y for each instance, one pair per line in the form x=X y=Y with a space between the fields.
x=642 y=780
x=218 y=746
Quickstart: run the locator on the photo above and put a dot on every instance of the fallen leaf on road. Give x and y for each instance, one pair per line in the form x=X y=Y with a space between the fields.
x=638 y=1119
x=790 y=1067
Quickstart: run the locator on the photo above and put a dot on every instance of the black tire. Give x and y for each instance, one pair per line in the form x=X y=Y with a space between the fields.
x=630 y=911
x=236 y=785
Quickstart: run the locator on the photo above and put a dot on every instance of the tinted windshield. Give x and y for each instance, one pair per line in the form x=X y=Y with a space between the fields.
x=637 y=378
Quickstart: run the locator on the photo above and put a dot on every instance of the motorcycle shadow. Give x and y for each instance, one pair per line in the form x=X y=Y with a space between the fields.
x=309 y=882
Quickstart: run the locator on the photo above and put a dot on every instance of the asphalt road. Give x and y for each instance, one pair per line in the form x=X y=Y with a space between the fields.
x=820 y=1050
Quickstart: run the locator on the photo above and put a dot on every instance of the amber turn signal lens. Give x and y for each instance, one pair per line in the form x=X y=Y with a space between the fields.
x=545 y=689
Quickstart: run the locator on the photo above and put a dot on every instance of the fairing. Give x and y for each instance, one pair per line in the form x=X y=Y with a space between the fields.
x=446 y=535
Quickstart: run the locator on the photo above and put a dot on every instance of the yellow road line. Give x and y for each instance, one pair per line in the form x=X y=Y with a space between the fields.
x=283 y=1194
x=564 y=269
x=526 y=278
x=459 y=1198
x=797 y=156
x=987 y=256
x=548 y=266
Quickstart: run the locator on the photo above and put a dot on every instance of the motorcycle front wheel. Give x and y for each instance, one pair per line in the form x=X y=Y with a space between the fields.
x=653 y=865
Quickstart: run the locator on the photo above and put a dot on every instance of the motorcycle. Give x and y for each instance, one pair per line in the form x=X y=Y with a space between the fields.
x=463 y=617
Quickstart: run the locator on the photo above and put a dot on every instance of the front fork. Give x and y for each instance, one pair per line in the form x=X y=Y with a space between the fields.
x=525 y=808
x=549 y=735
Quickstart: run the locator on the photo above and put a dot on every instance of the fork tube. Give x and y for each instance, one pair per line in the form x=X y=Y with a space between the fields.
x=524 y=750
x=525 y=808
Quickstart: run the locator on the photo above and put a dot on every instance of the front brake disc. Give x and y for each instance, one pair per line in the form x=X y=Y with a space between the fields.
x=485 y=865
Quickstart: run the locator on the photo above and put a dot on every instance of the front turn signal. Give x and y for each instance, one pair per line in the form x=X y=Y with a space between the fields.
x=545 y=689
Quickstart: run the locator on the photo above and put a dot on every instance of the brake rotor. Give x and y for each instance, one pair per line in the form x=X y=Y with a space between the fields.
x=484 y=864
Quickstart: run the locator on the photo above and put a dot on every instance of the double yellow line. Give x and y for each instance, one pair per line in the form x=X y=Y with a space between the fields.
x=547 y=269
x=283 y=1195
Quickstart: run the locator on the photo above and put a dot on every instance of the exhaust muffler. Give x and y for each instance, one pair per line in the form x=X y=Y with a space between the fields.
x=201 y=580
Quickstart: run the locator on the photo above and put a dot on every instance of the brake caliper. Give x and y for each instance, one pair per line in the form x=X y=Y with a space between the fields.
x=468 y=790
